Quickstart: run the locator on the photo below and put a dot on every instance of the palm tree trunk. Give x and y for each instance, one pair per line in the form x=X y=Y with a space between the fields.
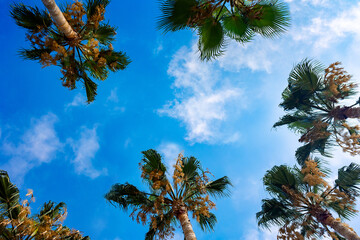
x=59 y=19
x=185 y=224
x=326 y=218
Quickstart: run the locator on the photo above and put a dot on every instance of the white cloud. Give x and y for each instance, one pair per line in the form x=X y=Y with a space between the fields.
x=250 y=56
x=38 y=145
x=170 y=152
x=202 y=98
x=85 y=149
x=326 y=30
x=113 y=96
x=79 y=100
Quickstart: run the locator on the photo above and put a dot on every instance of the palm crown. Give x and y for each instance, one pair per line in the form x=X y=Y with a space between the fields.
x=313 y=102
x=90 y=53
x=16 y=222
x=216 y=20
x=302 y=200
x=166 y=203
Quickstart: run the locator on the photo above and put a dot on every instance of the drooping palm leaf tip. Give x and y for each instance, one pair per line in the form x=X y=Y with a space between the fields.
x=88 y=54
x=302 y=202
x=167 y=203
x=217 y=20
x=16 y=221
x=313 y=102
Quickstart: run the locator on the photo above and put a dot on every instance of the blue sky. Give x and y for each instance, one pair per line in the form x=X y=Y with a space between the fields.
x=220 y=112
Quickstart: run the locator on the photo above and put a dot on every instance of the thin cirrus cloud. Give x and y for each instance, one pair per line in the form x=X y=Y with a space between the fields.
x=40 y=144
x=201 y=99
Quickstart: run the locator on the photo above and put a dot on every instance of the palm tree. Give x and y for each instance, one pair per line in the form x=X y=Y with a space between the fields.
x=75 y=39
x=16 y=222
x=303 y=203
x=313 y=102
x=216 y=20
x=168 y=203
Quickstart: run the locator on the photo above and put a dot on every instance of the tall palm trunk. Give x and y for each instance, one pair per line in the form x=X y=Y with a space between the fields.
x=59 y=19
x=326 y=218
x=183 y=217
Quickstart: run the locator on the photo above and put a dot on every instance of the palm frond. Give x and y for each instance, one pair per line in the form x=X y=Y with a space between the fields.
x=105 y=34
x=236 y=27
x=191 y=168
x=116 y=60
x=207 y=223
x=296 y=121
x=127 y=196
x=219 y=187
x=30 y=17
x=274 y=212
x=33 y=54
x=303 y=152
x=270 y=18
x=52 y=211
x=175 y=14
x=277 y=177
x=90 y=88
x=9 y=196
x=348 y=180
x=91 y=6
x=152 y=161
x=211 y=39
x=97 y=71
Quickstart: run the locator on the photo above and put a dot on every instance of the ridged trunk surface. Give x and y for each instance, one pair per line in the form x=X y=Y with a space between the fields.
x=185 y=224
x=59 y=19
x=327 y=219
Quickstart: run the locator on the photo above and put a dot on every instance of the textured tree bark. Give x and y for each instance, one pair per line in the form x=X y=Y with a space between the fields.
x=327 y=219
x=59 y=19
x=185 y=224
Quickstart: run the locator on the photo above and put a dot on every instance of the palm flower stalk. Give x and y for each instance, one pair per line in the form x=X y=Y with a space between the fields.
x=75 y=39
x=168 y=203
x=217 y=20
x=303 y=203
x=313 y=100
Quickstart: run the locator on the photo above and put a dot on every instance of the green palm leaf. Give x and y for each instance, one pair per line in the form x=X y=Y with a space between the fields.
x=219 y=187
x=269 y=18
x=105 y=34
x=237 y=28
x=176 y=14
x=348 y=179
x=211 y=39
x=127 y=195
x=207 y=223
x=9 y=196
x=30 y=17
x=90 y=88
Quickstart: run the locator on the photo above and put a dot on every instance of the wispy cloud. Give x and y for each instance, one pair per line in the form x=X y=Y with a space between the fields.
x=85 y=149
x=202 y=98
x=113 y=97
x=170 y=152
x=79 y=100
x=39 y=144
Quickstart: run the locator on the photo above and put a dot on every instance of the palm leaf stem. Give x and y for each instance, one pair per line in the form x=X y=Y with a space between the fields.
x=216 y=19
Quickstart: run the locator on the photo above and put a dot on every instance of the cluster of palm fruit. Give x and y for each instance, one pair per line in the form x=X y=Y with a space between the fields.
x=303 y=202
x=167 y=203
x=216 y=20
x=88 y=53
x=16 y=221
